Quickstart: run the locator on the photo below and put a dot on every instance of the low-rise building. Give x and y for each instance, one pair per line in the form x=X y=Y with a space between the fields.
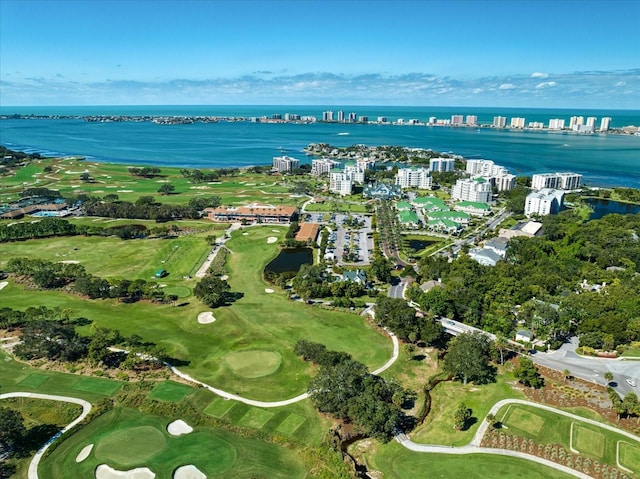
x=429 y=203
x=251 y=213
x=381 y=191
x=409 y=218
x=459 y=217
x=444 y=226
x=473 y=208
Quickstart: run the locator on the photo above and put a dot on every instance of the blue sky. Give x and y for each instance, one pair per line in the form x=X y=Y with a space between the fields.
x=544 y=53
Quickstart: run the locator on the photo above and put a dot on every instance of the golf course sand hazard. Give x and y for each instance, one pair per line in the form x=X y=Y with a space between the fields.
x=206 y=317
x=268 y=290
x=272 y=239
x=178 y=428
x=86 y=450
x=3 y=284
x=104 y=471
x=189 y=472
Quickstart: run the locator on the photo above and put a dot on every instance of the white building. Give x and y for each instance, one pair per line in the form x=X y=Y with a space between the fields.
x=499 y=121
x=340 y=182
x=442 y=164
x=544 y=202
x=517 y=122
x=414 y=178
x=457 y=119
x=284 y=164
x=560 y=181
x=355 y=171
x=476 y=189
x=472 y=120
x=505 y=182
x=322 y=166
x=341 y=116
x=604 y=123
x=327 y=115
x=575 y=121
x=556 y=124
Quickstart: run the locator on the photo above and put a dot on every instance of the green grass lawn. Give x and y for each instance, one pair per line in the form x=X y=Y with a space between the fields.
x=257 y=321
x=546 y=427
x=396 y=462
x=446 y=396
x=630 y=456
x=171 y=391
x=126 y=438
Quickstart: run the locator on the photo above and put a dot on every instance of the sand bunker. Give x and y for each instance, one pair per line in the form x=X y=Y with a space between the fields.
x=245 y=234
x=105 y=472
x=268 y=290
x=276 y=231
x=70 y=261
x=3 y=284
x=86 y=450
x=178 y=428
x=189 y=472
x=125 y=191
x=272 y=239
x=224 y=277
x=206 y=317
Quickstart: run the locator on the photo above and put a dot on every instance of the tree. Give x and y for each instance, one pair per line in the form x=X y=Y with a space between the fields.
x=461 y=416
x=166 y=189
x=567 y=375
x=608 y=376
x=527 y=373
x=468 y=358
x=12 y=429
x=212 y=291
x=501 y=344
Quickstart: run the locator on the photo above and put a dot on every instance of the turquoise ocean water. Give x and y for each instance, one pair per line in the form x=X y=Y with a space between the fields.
x=603 y=159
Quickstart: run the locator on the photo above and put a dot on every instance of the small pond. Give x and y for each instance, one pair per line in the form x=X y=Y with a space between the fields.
x=602 y=207
x=290 y=260
x=419 y=244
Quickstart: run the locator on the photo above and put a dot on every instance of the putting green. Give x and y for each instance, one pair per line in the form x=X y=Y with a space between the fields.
x=254 y=363
x=130 y=447
x=179 y=291
x=588 y=441
x=629 y=456
x=525 y=421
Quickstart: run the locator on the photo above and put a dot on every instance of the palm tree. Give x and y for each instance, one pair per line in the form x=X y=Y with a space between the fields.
x=608 y=376
x=567 y=375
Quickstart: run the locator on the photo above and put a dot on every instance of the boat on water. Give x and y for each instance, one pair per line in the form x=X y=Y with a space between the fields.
x=343 y=133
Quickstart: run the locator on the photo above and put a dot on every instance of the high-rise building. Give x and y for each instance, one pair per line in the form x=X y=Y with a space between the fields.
x=355 y=171
x=517 y=122
x=284 y=164
x=340 y=182
x=341 y=116
x=353 y=116
x=559 y=181
x=472 y=189
x=432 y=120
x=327 y=115
x=442 y=164
x=321 y=166
x=457 y=119
x=363 y=119
x=414 y=177
x=591 y=121
x=499 y=121
x=556 y=124
x=544 y=202
x=575 y=121
x=504 y=182
x=604 y=123
x=472 y=120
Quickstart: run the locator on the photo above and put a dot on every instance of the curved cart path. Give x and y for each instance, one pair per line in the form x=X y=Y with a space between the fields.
x=474 y=446
x=86 y=409
x=285 y=402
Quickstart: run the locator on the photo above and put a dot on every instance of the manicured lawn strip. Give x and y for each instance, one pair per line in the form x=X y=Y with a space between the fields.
x=215 y=452
x=289 y=426
x=105 y=387
x=396 y=462
x=589 y=440
x=446 y=396
x=170 y=391
x=256 y=321
x=630 y=456
x=219 y=407
x=34 y=380
x=256 y=418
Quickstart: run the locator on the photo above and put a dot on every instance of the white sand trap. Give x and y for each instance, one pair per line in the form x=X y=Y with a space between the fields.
x=245 y=234
x=86 y=450
x=272 y=239
x=3 y=284
x=276 y=231
x=105 y=472
x=125 y=191
x=206 y=317
x=178 y=428
x=70 y=261
x=268 y=290
x=224 y=277
x=189 y=472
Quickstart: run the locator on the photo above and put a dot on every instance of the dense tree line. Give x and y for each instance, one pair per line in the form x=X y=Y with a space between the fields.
x=145 y=207
x=50 y=275
x=402 y=319
x=346 y=390
x=313 y=281
x=539 y=282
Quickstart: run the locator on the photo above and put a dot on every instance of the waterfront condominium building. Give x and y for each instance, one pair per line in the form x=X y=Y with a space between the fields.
x=604 y=123
x=457 y=119
x=575 y=121
x=472 y=120
x=284 y=164
x=499 y=121
x=355 y=171
x=517 y=122
x=472 y=189
x=322 y=166
x=414 y=177
x=556 y=124
x=442 y=164
x=327 y=115
x=341 y=116
x=547 y=201
x=504 y=182
x=560 y=181
x=340 y=182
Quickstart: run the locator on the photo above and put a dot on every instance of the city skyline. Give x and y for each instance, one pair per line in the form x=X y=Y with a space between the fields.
x=438 y=53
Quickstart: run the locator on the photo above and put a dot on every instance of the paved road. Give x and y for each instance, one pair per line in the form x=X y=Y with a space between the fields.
x=86 y=409
x=591 y=369
x=474 y=446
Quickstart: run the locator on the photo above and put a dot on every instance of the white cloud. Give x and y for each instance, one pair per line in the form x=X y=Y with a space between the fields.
x=507 y=86
x=539 y=75
x=545 y=84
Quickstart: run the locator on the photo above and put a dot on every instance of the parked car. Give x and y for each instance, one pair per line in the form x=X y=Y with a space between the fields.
x=631 y=382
